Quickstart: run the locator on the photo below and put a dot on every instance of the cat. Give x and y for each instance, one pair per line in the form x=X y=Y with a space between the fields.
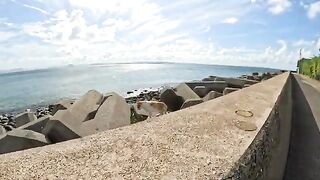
x=153 y=108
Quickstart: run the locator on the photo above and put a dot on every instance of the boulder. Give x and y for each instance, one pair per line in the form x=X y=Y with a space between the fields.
x=247 y=85
x=255 y=74
x=229 y=90
x=37 y=125
x=201 y=91
x=170 y=98
x=114 y=112
x=212 y=95
x=20 y=139
x=24 y=118
x=61 y=105
x=191 y=102
x=66 y=124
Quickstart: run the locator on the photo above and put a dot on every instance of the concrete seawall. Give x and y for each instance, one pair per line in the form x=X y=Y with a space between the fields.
x=206 y=141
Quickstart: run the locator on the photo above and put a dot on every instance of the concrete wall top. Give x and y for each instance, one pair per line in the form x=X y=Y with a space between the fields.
x=198 y=142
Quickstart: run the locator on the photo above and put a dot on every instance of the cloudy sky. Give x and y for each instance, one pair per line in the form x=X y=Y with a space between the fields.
x=268 y=33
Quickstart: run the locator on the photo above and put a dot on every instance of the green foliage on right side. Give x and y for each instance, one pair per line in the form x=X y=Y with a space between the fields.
x=310 y=67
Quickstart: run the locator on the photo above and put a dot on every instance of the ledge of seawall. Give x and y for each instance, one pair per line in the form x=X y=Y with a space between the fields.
x=194 y=143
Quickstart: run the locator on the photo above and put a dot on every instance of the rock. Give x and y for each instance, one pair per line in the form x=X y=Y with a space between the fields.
x=201 y=91
x=24 y=118
x=247 y=85
x=191 y=102
x=255 y=74
x=212 y=95
x=170 y=98
x=61 y=105
x=66 y=124
x=37 y=125
x=8 y=127
x=19 y=139
x=113 y=113
x=229 y=90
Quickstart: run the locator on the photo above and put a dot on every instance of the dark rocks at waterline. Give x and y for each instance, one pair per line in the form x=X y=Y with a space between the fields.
x=144 y=95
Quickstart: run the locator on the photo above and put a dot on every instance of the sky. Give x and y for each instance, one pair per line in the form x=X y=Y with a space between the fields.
x=264 y=33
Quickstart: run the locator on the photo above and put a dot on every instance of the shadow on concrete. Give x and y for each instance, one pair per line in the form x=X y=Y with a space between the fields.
x=304 y=152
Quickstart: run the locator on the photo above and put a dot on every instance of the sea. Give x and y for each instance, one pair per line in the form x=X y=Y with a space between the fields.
x=30 y=88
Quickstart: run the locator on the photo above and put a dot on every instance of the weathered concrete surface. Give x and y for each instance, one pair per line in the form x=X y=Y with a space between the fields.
x=201 y=142
x=210 y=85
x=304 y=154
x=186 y=92
x=24 y=118
x=36 y=125
x=228 y=90
x=66 y=124
x=170 y=98
x=113 y=113
x=191 y=102
x=62 y=105
x=212 y=95
x=20 y=139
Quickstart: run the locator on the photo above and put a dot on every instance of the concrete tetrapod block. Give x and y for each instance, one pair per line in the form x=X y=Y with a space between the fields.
x=229 y=90
x=113 y=113
x=191 y=102
x=170 y=98
x=210 y=85
x=211 y=95
x=62 y=105
x=201 y=91
x=66 y=124
x=186 y=92
x=19 y=139
x=232 y=82
x=37 y=125
x=24 y=118
x=2 y=130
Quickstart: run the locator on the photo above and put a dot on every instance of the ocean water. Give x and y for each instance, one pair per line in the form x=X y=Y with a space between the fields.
x=21 y=90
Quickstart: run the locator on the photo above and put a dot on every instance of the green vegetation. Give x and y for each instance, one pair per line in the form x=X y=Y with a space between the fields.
x=310 y=67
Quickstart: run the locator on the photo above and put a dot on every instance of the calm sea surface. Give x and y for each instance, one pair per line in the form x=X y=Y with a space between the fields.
x=20 y=90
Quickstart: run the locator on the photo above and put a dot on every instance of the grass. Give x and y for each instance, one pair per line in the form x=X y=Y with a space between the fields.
x=310 y=67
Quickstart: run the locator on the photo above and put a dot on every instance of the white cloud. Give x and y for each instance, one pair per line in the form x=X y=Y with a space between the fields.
x=278 y=6
x=313 y=9
x=5 y=35
x=231 y=20
x=302 y=43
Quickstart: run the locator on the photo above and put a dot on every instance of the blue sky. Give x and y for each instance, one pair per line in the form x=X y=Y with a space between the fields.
x=268 y=33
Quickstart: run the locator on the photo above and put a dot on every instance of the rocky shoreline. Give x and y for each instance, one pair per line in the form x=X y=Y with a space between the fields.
x=95 y=112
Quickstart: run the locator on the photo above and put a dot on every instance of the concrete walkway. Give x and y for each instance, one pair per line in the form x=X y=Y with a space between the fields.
x=304 y=153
